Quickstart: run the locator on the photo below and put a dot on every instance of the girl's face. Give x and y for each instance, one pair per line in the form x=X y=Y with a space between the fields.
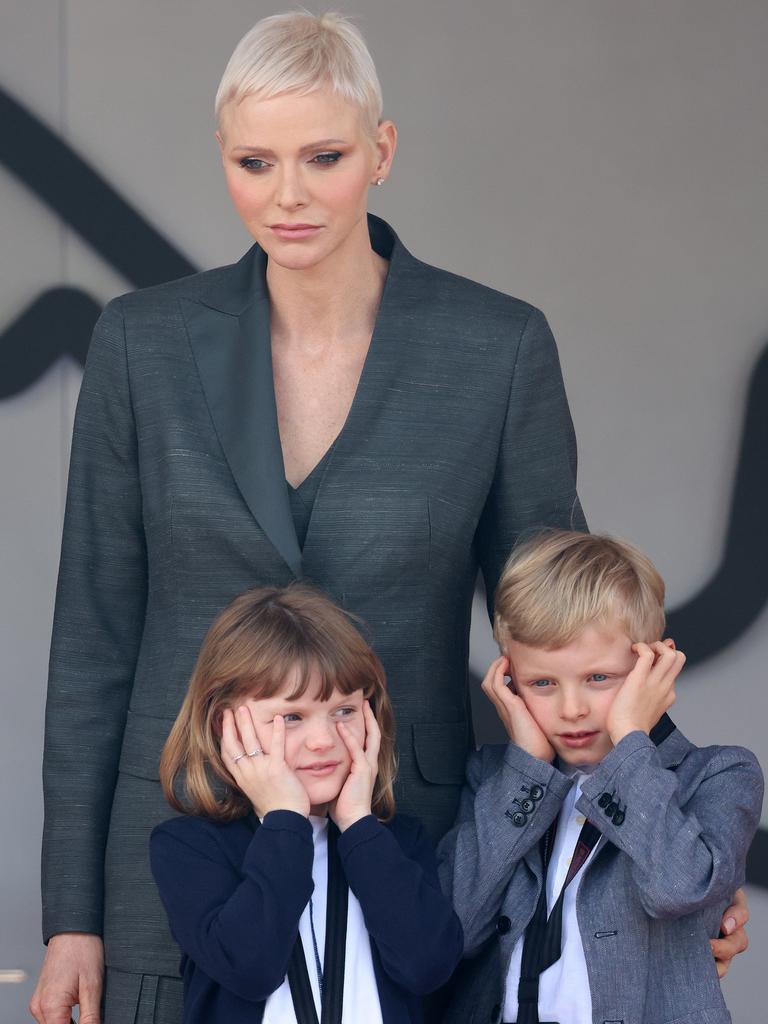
x=298 y=169
x=314 y=750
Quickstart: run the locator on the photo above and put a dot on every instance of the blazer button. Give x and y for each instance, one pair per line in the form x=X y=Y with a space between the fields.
x=503 y=925
x=618 y=818
x=527 y=805
x=611 y=809
x=519 y=819
x=604 y=800
x=535 y=792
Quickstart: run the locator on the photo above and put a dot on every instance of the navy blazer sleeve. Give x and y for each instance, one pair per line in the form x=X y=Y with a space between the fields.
x=97 y=629
x=236 y=917
x=534 y=484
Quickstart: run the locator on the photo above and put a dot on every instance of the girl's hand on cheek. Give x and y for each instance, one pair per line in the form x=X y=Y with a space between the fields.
x=354 y=800
x=647 y=692
x=517 y=719
x=265 y=778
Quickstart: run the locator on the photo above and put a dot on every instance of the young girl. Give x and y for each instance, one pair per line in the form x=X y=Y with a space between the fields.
x=293 y=891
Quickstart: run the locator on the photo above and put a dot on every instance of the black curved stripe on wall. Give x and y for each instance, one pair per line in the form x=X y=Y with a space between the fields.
x=44 y=163
x=60 y=322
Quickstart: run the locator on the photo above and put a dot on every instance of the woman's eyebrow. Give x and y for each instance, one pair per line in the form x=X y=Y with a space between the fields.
x=304 y=149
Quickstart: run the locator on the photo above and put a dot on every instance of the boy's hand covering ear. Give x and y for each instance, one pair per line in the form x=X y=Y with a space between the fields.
x=518 y=721
x=647 y=692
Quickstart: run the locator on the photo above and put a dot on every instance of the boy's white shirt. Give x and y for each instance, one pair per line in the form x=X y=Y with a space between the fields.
x=564 y=987
x=361 y=993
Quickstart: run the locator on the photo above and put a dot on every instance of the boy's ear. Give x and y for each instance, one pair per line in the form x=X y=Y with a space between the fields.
x=669 y=642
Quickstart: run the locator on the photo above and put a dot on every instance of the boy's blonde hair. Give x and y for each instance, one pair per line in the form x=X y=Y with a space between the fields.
x=556 y=584
x=301 y=52
x=258 y=642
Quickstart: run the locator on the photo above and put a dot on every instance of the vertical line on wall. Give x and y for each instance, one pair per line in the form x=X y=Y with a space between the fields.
x=63 y=262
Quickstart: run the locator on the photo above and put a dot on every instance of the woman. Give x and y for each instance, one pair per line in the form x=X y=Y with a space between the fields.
x=328 y=408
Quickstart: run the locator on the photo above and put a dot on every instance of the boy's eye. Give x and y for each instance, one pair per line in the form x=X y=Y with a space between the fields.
x=331 y=157
x=598 y=677
x=541 y=683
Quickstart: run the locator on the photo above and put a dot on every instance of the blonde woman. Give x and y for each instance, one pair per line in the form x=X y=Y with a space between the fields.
x=328 y=408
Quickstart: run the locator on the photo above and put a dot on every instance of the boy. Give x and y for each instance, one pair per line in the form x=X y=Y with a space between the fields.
x=592 y=856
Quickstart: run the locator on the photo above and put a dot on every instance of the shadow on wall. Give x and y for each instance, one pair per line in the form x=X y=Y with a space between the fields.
x=60 y=322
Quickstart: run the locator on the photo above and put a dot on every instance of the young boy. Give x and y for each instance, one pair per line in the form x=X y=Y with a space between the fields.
x=593 y=855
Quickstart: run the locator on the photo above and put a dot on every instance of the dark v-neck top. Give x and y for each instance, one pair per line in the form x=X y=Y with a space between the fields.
x=302 y=498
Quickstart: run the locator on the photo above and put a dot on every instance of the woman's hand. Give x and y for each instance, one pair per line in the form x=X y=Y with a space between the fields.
x=262 y=775
x=354 y=800
x=518 y=721
x=647 y=692
x=732 y=927
x=72 y=975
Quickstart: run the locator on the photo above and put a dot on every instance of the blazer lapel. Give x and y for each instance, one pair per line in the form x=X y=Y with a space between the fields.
x=229 y=332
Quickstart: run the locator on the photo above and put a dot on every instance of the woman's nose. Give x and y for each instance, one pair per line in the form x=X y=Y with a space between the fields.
x=291 y=192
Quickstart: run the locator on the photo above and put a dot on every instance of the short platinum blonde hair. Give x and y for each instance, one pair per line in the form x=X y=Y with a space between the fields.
x=560 y=582
x=301 y=52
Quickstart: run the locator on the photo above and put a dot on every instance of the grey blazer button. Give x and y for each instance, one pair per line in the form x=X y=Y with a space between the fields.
x=618 y=818
x=604 y=800
x=611 y=809
x=503 y=925
x=527 y=805
x=519 y=819
x=535 y=792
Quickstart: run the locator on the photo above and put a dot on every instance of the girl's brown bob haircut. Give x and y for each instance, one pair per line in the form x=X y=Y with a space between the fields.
x=556 y=584
x=264 y=637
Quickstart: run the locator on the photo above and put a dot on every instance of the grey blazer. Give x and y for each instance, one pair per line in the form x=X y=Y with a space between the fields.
x=648 y=901
x=459 y=437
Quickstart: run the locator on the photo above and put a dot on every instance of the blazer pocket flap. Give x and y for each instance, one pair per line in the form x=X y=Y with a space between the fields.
x=441 y=750
x=143 y=742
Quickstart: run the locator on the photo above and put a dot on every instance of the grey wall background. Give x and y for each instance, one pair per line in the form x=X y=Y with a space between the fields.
x=604 y=159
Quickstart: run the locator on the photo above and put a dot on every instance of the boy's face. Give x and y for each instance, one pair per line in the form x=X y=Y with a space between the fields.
x=569 y=690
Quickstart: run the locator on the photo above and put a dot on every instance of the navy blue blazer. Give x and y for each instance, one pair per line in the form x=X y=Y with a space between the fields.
x=234 y=893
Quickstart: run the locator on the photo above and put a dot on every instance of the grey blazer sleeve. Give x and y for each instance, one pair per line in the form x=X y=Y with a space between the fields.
x=481 y=856
x=535 y=480
x=99 y=616
x=688 y=847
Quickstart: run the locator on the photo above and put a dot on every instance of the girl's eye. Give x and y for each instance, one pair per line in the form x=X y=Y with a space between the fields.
x=253 y=163
x=326 y=158
x=345 y=712
x=290 y=717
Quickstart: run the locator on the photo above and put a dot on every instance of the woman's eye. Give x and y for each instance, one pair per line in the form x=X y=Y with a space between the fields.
x=326 y=158
x=253 y=163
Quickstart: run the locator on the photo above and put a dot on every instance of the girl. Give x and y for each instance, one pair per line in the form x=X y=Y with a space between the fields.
x=289 y=857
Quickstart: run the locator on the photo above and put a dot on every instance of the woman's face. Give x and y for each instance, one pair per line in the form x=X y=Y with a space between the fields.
x=298 y=169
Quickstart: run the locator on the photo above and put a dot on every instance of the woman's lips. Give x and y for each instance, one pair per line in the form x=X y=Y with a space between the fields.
x=578 y=739
x=292 y=232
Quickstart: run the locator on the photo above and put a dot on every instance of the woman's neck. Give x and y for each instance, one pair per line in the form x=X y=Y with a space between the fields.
x=334 y=301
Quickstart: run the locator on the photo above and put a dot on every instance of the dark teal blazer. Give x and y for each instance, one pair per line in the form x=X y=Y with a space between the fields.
x=458 y=439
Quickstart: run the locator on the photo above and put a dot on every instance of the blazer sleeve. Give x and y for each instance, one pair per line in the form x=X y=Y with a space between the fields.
x=535 y=478
x=98 y=622
x=237 y=923
x=687 y=853
x=414 y=927
x=495 y=828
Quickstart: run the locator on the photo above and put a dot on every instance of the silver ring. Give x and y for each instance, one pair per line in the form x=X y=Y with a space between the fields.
x=255 y=753
x=237 y=757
